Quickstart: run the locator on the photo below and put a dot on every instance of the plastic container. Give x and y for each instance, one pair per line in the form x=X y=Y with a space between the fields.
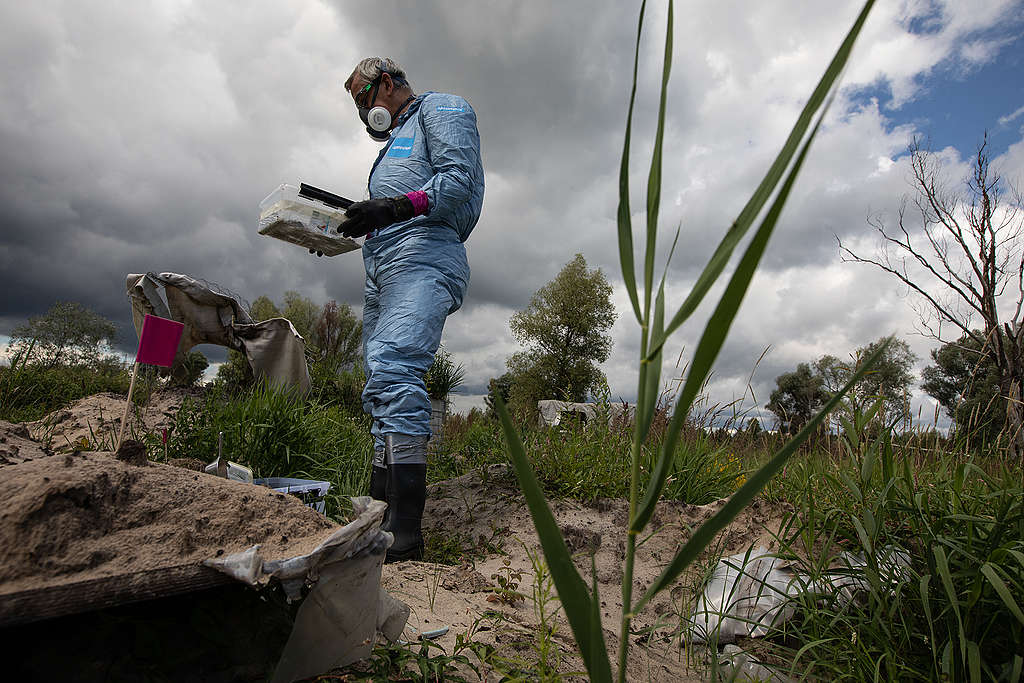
x=232 y=471
x=310 y=492
x=302 y=221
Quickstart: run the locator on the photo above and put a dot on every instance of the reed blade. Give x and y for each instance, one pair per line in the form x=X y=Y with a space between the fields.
x=746 y=493
x=714 y=336
x=625 y=221
x=761 y=195
x=654 y=177
x=572 y=590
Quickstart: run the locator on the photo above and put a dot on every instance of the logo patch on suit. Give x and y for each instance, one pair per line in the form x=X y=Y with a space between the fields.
x=401 y=148
x=441 y=107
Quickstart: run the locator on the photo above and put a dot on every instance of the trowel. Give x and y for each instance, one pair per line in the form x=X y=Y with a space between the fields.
x=228 y=470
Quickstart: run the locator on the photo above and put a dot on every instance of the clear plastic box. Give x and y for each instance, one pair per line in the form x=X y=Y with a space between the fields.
x=310 y=492
x=302 y=221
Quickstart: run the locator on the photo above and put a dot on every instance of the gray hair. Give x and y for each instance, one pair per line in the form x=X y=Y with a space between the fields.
x=371 y=68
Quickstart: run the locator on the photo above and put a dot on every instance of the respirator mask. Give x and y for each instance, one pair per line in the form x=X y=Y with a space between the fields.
x=377 y=119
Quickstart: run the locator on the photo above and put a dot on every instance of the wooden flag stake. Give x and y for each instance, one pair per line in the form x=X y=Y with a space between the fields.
x=127 y=404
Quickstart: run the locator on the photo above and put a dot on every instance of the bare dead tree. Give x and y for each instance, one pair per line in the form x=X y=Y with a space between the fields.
x=959 y=250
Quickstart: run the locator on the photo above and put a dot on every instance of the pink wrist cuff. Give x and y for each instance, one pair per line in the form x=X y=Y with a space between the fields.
x=420 y=204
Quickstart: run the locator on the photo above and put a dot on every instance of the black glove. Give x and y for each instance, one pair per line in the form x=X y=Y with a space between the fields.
x=374 y=214
x=314 y=251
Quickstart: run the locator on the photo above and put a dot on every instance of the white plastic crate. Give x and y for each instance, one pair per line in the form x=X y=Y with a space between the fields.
x=285 y=215
x=310 y=492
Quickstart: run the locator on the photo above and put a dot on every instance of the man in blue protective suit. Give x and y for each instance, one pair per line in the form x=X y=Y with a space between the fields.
x=426 y=190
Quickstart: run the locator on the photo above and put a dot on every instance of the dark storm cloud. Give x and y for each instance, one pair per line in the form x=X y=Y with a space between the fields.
x=142 y=136
x=144 y=146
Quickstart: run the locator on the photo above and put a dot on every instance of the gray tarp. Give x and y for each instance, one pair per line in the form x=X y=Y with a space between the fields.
x=338 y=621
x=274 y=348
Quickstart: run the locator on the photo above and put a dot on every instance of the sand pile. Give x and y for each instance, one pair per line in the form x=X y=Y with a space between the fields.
x=93 y=422
x=69 y=518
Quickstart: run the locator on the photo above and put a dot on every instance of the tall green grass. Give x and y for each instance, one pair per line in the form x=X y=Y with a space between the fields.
x=280 y=434
x=955 y=613
x=580 y=601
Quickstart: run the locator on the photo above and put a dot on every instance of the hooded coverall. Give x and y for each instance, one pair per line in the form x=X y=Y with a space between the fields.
x=416 y=270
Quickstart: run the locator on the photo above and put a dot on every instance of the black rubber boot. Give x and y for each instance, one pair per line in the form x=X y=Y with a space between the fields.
x=406 y=495
x=378 y=482
x=378 y=489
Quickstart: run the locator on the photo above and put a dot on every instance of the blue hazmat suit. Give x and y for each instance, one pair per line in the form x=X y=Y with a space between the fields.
x=416 y=270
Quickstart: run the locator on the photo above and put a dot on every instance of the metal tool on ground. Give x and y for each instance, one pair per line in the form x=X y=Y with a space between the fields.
x=311 y=492
x=222 y=467
x=424 y=635
x=222 y=464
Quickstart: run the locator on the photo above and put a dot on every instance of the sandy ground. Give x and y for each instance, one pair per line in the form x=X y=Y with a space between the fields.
x=489 y=514
x=491 y=596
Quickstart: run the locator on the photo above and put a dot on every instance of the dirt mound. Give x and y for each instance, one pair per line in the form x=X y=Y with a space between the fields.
x=16 y=445
x=93 y=422
x=488 y=515
x=75 y=517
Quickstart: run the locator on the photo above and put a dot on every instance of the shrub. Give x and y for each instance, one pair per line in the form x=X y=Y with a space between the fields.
x=343 y=389
x=29 y=392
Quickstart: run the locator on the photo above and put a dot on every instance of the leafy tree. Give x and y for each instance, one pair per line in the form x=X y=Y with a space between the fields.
x=566 y=331
x=303 y=314
x=67 y=334
x=339 y=335
x=890 y=379
x=965 y=382
x=961 y=252
x=235 y=373
x=798 y=396
x=263 y=309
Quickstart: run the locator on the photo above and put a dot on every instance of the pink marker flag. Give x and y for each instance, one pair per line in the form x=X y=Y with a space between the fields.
x=158 y=343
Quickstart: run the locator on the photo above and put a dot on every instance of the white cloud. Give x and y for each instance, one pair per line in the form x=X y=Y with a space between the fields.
x=1004 y=120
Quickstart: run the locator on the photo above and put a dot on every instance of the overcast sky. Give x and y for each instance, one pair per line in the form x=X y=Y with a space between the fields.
x=141 y=137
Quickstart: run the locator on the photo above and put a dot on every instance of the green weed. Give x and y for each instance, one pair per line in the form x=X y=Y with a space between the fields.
x=393 y=662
